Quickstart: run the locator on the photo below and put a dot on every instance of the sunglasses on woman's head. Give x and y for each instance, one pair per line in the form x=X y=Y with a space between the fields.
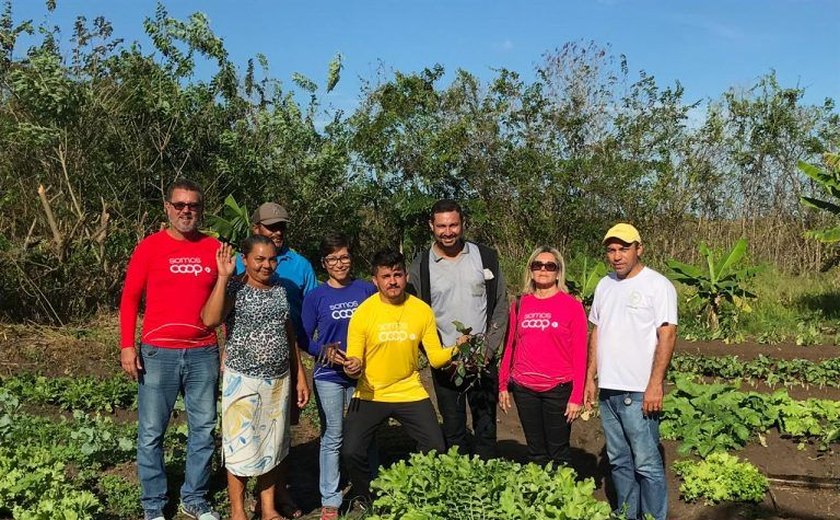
x=548 y=266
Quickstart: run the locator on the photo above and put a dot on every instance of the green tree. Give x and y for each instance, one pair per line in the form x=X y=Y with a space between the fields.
x=827 y=178
x=92 y=136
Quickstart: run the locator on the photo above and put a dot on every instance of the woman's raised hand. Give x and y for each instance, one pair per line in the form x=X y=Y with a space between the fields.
x=224 y=260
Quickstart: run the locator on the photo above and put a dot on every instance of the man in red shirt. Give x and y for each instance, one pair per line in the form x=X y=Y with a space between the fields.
x=175 y=269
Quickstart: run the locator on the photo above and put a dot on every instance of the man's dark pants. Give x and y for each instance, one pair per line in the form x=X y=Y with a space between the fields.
x=483 y=397
x=364 y=417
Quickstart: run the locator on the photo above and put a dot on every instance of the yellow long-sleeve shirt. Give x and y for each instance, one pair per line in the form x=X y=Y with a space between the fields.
x=387 y=339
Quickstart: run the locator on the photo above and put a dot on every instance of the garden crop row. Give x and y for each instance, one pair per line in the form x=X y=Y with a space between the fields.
x=718 y=417
x=57 y=468
x=452 y=486
x=89 y=394
x=787 y=372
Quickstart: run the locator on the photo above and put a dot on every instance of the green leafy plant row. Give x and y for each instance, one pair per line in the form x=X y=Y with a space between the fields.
x=453 y=486
x=713 y=417
x=720 y=477
x=89 y=394
x=84 y=440
x=786 y=372
x=718 y=417
x=57 y=468
x=34 y=486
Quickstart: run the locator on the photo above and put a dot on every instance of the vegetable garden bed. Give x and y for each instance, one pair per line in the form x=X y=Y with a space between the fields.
x=793 y=465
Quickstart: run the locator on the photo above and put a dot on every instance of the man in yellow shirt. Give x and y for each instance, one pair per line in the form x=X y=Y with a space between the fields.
x=383 y=343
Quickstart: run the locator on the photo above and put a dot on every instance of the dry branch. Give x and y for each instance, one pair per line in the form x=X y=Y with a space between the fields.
x=62 y=160
x=58 y=239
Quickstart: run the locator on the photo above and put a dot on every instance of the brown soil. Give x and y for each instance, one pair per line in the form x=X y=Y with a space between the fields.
x=59 y=352
x=73 y=352
x=751 y=350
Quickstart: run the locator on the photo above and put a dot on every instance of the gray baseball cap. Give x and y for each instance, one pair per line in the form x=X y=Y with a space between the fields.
x=270 y=213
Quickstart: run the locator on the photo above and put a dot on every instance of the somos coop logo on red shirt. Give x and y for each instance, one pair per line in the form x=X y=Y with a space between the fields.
x=187 y=265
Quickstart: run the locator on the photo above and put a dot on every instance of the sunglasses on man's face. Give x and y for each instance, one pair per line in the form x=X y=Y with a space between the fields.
x=277 y=226
x=179 y=206
x=548 y=266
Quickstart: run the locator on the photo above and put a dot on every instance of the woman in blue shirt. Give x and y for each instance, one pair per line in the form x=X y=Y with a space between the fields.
x=325 y=315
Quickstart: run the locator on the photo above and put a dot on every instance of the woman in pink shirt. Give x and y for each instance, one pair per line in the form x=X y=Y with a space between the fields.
x=544 y=363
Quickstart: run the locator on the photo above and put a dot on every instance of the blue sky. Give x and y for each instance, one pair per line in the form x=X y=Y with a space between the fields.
x=708 y=45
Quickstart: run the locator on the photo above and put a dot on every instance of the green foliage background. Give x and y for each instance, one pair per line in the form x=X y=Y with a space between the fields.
x=104 y=125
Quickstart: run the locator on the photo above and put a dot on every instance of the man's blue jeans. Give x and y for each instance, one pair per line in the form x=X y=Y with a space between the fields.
x=633 y=449
x=166 y=373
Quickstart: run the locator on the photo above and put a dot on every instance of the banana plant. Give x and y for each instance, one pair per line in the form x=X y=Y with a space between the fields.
x=232 y=224
x=719 y=281
x=829 y=179
x=582 y=276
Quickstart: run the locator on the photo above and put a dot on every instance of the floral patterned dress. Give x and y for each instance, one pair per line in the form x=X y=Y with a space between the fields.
x=256 y=382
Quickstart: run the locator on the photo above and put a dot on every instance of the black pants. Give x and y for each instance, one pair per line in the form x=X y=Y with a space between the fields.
x=364 y=417
x=452 y=404
x=543 y=419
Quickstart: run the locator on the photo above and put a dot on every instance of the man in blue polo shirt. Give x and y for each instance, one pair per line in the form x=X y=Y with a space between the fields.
x=298 y=278
x=296 y=274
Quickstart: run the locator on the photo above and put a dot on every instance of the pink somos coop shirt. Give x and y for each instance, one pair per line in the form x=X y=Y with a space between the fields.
x=546 y=345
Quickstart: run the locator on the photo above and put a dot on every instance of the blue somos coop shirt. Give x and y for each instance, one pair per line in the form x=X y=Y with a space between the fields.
x=326 y=315
x=297 y=277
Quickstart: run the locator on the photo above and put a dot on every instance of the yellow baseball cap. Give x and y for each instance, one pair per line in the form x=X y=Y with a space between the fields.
x=624 y=232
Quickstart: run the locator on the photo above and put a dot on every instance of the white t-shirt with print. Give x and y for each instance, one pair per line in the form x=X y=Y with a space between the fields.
x=628 y=313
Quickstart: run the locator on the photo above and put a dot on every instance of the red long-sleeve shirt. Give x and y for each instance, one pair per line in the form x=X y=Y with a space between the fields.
x=177 y=277
x=546 y=344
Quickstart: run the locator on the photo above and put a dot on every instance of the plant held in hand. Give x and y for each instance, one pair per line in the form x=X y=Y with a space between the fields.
x=470 y=362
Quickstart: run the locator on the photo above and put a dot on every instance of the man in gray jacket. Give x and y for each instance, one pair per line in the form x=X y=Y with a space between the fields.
x=461 y=281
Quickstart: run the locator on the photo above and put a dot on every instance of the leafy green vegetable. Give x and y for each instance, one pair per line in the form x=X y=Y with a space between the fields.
x=787 y=372
x=34 y=485
x=452 y=486
x=720 y=477
x=470 y=359
x=73 y=393
x=718 y=417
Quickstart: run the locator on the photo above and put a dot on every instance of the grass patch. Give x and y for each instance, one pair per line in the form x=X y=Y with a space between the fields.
x=803 y=309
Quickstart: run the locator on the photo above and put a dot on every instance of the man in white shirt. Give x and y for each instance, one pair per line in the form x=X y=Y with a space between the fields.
x=634 y=318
